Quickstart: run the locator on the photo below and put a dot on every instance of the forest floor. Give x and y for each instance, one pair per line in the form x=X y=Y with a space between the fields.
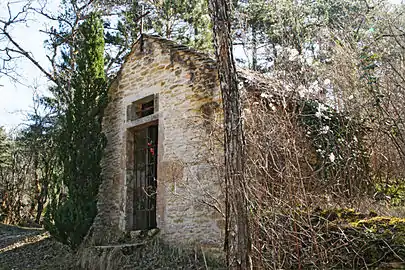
x=24 y=248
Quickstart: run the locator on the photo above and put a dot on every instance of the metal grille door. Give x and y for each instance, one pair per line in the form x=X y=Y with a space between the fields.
x=145 y=158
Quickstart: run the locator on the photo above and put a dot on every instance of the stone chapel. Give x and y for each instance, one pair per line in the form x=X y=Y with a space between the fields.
x=160 y=167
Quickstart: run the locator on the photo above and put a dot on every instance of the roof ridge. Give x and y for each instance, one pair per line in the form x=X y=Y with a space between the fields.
x=176 y=46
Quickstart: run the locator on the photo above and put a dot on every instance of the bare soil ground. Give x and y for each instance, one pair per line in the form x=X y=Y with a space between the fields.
x=31 y=248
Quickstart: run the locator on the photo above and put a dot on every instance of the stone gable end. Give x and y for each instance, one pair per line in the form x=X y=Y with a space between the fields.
x=181 y=88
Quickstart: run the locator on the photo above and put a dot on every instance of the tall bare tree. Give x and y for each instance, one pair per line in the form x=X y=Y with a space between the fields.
x=237 y=242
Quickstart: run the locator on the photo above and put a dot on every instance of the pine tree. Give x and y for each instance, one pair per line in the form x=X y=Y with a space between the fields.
x=184 y=21
x=237 y=233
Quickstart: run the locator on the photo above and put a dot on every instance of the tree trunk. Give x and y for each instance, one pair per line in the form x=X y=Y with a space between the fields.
x=41 y=202
x=238 y=243
x=254 y=47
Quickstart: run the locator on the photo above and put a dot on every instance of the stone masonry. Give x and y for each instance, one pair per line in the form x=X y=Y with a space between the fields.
x=185 y=87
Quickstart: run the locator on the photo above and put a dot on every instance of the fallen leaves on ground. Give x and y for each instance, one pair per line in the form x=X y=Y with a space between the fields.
x=32 y=248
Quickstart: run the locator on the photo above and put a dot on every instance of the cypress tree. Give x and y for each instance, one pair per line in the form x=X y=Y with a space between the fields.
x=81 y=141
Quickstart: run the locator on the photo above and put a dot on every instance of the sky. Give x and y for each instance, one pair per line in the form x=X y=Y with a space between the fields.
x=16 y=99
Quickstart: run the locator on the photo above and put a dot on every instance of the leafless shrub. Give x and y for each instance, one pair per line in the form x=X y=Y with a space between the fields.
x=290 y=182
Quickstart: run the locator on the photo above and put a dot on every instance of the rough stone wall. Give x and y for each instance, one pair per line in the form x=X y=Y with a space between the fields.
x=188 y=183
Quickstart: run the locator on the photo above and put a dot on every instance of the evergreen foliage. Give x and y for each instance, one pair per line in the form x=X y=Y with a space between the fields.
x=186 y=22
x=81 y=141
x=267 y=28
x=338 y=142
x=347 y=54
x=5 y=148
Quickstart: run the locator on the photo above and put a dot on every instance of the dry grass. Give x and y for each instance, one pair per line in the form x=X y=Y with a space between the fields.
x=153 y=254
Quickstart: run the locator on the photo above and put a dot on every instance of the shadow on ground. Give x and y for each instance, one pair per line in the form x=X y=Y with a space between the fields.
x=31 y=248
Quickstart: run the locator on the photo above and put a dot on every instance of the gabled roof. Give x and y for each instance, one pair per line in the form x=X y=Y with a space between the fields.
x=170 y=45
x=252 y=81
x=175 y=47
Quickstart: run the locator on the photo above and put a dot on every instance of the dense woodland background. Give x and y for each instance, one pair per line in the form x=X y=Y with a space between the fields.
x=323 y=142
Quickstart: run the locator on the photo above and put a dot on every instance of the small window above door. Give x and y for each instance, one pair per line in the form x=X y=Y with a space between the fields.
x=142 y=107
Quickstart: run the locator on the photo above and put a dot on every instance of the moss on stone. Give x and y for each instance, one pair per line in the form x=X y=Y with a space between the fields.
x=340 y=214
x=368 y=239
